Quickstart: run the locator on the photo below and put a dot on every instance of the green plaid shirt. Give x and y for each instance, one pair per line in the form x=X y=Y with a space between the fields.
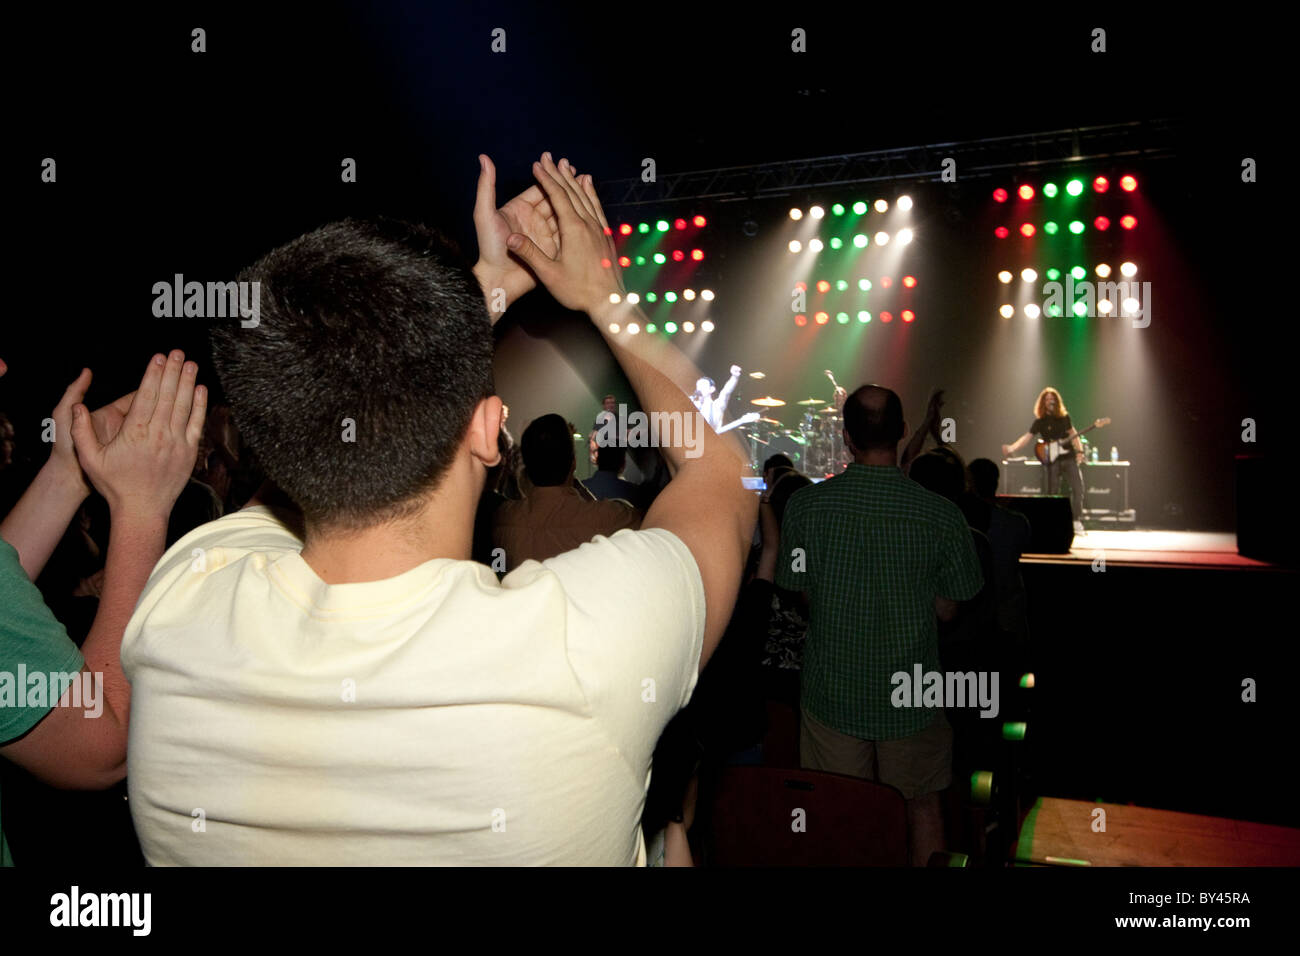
x=872 y=549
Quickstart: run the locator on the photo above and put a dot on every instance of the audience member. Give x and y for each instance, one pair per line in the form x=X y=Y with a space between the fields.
x=879 y=558
x=608 y=480
x=137 y=452
x=457 y=719
x=1009 y=535
x=555 y=517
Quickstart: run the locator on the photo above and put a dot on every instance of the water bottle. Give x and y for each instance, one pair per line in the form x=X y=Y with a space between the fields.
x=1114 y=454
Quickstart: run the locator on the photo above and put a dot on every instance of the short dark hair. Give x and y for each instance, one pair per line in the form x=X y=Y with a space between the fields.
x=873 y=417
x=786 y=486
x=547 y=447
x=358 y=383
x=611 y=458
x=777 y=461
x=939 y=473
x=984 y=476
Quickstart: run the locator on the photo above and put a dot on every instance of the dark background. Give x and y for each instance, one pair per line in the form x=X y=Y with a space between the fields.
x=170 y=161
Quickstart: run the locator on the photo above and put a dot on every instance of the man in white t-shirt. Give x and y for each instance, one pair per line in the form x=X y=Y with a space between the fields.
x=338 y=683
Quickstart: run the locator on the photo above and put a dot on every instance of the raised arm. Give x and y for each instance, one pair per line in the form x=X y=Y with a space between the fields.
x=725 y=395
x=705 y=505
x=1019 y=443
x=140 y=472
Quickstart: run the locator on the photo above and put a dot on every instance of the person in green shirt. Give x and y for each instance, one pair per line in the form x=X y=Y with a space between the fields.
x=881 y=560
x=138 y=452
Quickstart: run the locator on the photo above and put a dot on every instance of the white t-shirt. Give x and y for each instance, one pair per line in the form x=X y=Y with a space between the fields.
x=437 y=717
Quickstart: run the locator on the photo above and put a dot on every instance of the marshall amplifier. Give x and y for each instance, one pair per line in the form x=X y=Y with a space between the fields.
x=1105 y=483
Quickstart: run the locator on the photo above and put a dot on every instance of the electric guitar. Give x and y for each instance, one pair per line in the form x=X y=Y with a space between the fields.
x=742 y=420
x=1047 y=452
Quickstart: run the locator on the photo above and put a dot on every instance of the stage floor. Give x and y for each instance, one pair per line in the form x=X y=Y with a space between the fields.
x=1204 y=549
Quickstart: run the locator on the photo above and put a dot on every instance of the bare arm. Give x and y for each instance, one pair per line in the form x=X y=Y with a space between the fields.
x=705 y=505
x=140 y=473
x=725 y=395
x=1021 y=442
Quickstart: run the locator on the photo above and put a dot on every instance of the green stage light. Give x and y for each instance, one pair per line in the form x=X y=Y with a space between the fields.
x=864 y=316
x=1080 y=309
x=1053 y=274
x=837 y=243
x=864 y=285
x=651 y=328
x=651 y=297
x=842 y=318
x=860 y=208
x=1074 y=187
x=643 y=228
x=1054 y=311
x=1079 y=273
x=640 y=260
x=837 y=209
x=1076 y=227
x=1049 y=190
x=662 y=225
x=841 y=285
x=660 y=258
x=860 y=241
x=1050 y=228
x=670 y=328
x=670 y=296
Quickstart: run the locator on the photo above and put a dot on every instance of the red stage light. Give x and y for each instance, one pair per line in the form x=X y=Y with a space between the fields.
x=680 y=223
x=624 y=261
x=886 y=282
x=823 y=318
x=1128 y=222
x=823 y=286
x=908 y=315
x=886 y=317
x=1128 y=183
x=678 y=255
x=1027 y=229
x=697 y=254
x=605 y=263
x=700 y=221
x=609 y=231
x=801 y=286
x=801 y=320
x=1026 y=191
x=1101 y=223
x=1001 y=232
x=625 y=229
x=909 y=282
x=1101 y=184
x=999 y=195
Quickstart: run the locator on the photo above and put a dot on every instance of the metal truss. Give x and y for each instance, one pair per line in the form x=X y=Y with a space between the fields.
x=1146 y=139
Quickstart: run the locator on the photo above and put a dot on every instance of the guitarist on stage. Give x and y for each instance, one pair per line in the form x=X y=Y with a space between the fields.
x=710 y=407
x=1052 y=423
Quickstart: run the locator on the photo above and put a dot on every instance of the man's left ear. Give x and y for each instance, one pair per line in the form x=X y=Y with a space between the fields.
x=484 y=429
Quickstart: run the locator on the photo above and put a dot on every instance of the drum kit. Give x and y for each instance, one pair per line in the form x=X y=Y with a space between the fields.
x=815 y=444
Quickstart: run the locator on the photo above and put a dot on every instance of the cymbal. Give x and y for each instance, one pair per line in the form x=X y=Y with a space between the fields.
x=769 y=421
x=811 y=401
x=767 y=401
x=827 y=411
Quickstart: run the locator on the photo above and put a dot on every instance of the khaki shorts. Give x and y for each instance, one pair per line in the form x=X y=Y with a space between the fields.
x=915 y=765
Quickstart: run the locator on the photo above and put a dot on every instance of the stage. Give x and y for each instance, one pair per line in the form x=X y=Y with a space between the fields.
x=1198 y=549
